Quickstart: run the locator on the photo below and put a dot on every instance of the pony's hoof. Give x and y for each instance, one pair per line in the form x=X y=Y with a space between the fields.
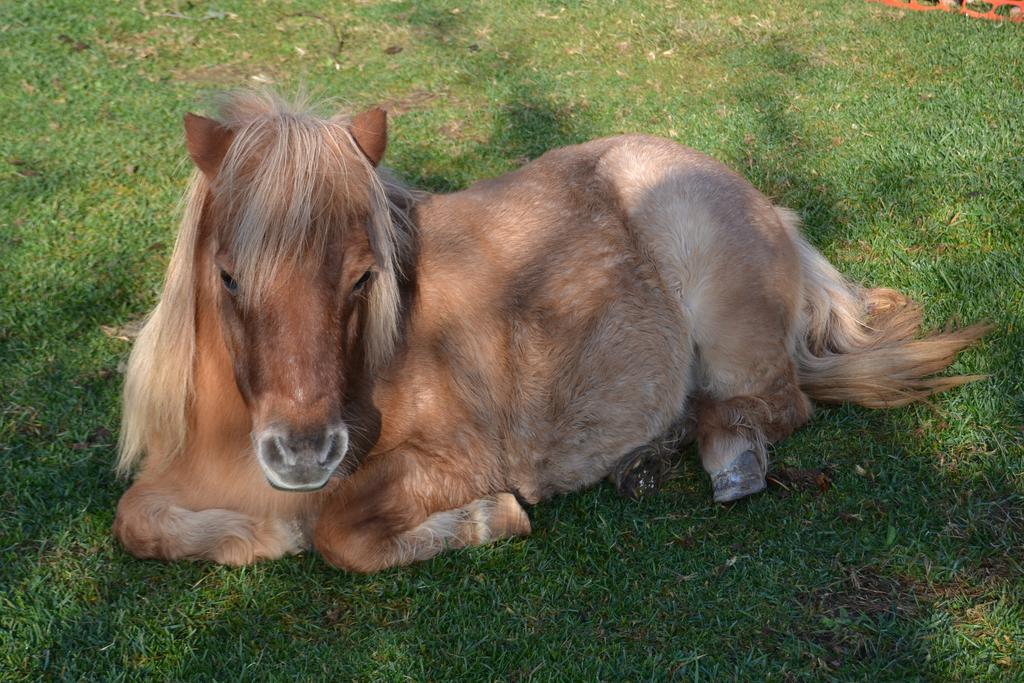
x=639 y=473
x=743 y=477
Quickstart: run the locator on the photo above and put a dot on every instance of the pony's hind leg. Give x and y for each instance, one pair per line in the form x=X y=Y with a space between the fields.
x=642 y=471
x=151 y=523
x=639 y=472
x=748 y=394
x=736 y=424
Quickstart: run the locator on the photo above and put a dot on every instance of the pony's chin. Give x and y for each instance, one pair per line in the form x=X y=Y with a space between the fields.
x=305 y=484
x=302 y=488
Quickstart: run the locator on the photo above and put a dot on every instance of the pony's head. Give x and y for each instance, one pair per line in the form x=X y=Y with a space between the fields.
x=294 y=261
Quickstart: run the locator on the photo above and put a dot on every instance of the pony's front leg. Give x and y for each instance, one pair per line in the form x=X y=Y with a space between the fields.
x=152 y=523
x=375 y=521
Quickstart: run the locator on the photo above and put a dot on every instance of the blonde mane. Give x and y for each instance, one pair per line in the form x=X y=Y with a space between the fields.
x=289 y=182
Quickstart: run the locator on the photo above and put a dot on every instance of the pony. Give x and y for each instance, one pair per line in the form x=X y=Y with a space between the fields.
x=340 y=362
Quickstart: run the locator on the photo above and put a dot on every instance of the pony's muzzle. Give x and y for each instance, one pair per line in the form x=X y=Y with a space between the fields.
x=300 y=461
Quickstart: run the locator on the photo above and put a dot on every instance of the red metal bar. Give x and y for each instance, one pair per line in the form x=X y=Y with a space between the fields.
x=964 y=8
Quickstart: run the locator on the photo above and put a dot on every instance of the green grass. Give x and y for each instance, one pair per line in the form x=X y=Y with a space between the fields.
x=898 y=136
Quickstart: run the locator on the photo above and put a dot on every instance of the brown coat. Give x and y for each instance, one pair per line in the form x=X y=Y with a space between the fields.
x=442 y=355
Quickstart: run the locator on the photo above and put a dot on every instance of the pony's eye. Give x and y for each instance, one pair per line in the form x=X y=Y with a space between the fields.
x=229 y=282
x=361 y=282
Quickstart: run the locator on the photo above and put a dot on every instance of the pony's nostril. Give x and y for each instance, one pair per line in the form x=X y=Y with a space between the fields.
x=325 y=454
x=334 y=449
x=271 y=451
x=285 y=450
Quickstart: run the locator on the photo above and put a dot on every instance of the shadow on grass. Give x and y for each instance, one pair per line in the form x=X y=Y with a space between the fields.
x=524 y=127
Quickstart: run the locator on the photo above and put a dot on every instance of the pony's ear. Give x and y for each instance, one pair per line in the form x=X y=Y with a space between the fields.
x=370 y=131
x=207 y=143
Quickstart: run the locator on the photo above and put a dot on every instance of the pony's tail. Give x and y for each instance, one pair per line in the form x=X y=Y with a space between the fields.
x=859 y=345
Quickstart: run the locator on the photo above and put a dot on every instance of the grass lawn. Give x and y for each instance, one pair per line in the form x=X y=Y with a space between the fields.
x=898 y=136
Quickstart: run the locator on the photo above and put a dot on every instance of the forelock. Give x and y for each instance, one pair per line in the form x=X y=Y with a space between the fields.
x=290 y=182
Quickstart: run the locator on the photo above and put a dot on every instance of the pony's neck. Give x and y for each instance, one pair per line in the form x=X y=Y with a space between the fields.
x=403 y=203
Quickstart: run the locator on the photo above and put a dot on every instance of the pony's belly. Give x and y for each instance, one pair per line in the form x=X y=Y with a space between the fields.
x=627 y=386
